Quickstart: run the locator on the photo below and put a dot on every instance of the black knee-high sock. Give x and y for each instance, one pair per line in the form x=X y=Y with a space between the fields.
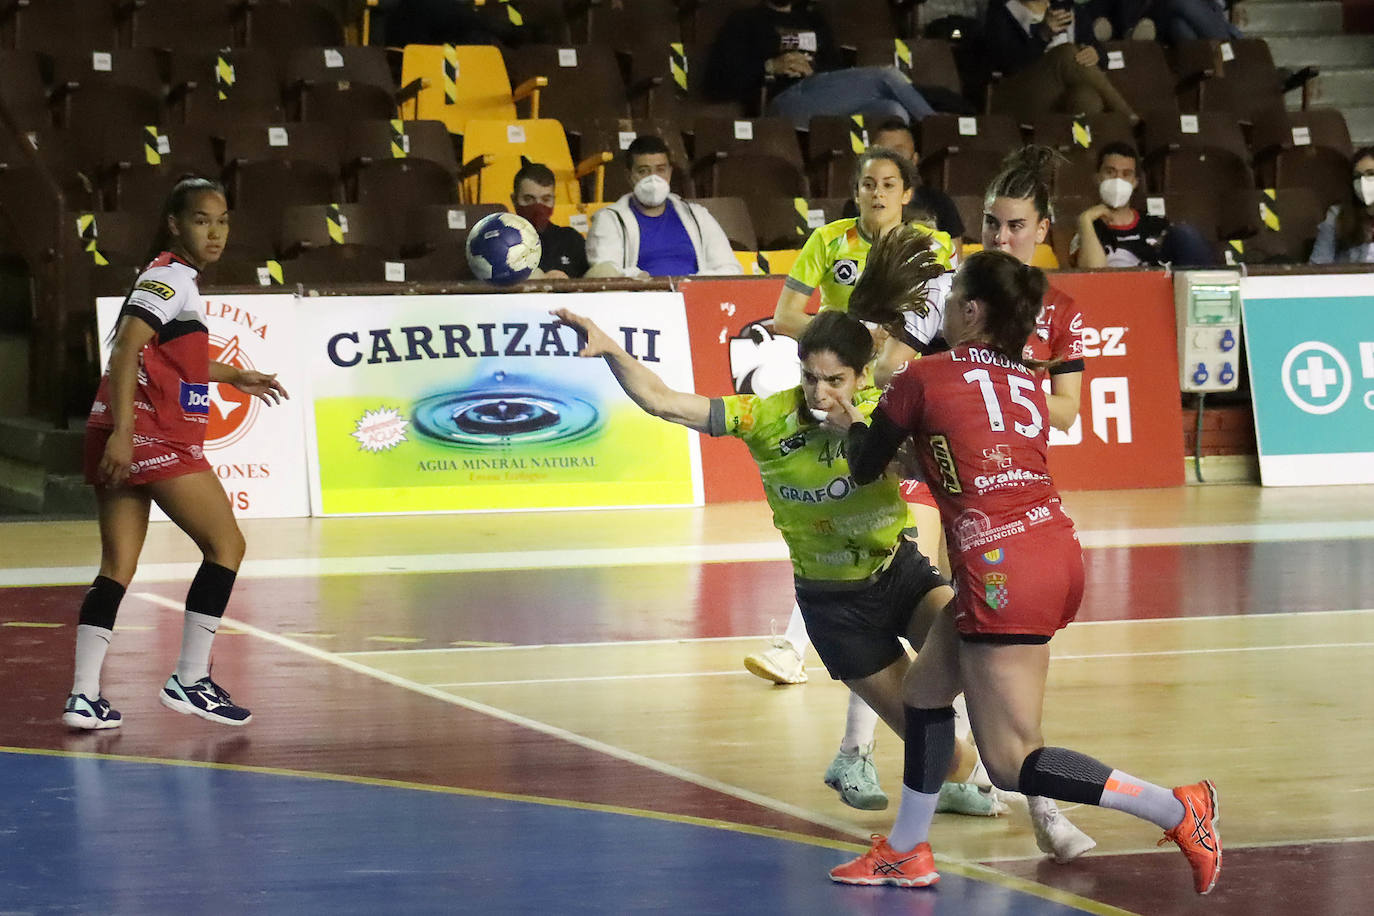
x=94 y=630
x=206 y=600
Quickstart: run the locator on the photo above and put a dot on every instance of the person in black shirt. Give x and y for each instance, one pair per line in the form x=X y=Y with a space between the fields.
x=787 y=48
x=1112 y=233
x=564 y=251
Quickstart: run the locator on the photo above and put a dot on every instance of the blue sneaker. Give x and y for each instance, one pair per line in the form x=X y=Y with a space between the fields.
x=204 y=698
x=82 y=712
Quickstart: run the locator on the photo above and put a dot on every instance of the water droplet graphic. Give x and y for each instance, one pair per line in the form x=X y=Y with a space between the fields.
x=499 y=377
x=504 y=418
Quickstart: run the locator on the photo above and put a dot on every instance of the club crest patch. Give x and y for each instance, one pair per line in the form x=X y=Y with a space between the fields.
x=995 y=590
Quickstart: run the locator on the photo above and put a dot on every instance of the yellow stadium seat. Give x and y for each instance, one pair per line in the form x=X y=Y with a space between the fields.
x=459 y=83
x=752 y=262
x=578 y=216
x=493 y=150
x=1044 y=256
x=781 y=261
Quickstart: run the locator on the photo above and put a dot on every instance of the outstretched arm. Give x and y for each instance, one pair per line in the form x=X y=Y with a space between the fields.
x=644 y=387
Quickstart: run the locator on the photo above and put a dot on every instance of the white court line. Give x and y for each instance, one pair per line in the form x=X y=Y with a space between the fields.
x=554 y=731
x=1229 y=847
x=1319 y=645
x=668 y=555
x=592 y=678
x=636 y=643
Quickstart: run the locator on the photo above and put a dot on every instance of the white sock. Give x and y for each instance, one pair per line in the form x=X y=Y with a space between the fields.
x=859 y=722
x=913 y=819
x=1143 y=799
x=796 y=631
x=197 y=636
x=91 y=643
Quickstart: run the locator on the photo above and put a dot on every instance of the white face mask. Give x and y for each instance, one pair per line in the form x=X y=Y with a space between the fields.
x=1364 y=189
x=1115 y=192
x=651 y=190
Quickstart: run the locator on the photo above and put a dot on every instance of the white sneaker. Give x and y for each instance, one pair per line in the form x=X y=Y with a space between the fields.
x=781 y=663
x=1054 y=833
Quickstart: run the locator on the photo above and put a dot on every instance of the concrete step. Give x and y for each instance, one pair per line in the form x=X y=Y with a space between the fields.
x=1344 y=87
x=1277 y=18
x=1360 y=121
x=1325 y=51
x=68 y=495
x=57 y=451
x=22 y=486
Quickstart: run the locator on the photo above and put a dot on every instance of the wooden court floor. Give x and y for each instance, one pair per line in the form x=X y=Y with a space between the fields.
x=590 y=662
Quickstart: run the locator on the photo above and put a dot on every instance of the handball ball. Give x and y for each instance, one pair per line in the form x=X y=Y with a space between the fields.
x=503 y=248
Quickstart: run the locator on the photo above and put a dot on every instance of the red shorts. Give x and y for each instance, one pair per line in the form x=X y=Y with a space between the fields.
x=918 y=493
x=1029 y=585
x=153 y=458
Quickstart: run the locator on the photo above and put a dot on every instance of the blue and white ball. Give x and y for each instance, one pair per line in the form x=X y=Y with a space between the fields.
x=503 y=248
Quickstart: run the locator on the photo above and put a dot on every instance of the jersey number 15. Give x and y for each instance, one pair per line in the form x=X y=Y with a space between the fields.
x=1017 y=387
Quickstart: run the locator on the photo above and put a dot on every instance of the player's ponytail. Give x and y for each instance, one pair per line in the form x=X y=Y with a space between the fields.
x=1012 y=294
x=895 y=277
x=174 y=205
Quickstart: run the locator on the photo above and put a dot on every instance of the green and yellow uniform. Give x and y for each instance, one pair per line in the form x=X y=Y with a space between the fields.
x=836 y=531
x=834 y=256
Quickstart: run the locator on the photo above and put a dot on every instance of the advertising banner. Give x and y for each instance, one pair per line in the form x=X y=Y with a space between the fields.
x=479 y=403
x=256 y=450
x=1130 y=427
x=1309 y=341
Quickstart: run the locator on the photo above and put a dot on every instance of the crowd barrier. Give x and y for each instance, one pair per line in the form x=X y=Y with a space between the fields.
x=472 y=400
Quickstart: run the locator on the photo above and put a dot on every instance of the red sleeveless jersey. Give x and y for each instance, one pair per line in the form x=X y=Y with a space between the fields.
x=981 y=428
x=172 y=399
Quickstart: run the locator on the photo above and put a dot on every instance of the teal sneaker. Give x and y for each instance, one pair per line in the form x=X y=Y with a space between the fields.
x=966 y=798
x=84 y=713
x=853 y=775
x=203 y=698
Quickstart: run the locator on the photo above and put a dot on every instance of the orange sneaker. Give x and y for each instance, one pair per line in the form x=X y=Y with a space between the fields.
x=1197 y=834
x=884 y=865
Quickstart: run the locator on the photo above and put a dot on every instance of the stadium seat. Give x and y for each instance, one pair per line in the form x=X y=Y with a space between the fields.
x=742 y=157
x=576 y=216
x=308 y=227
x=341 y=84
x=1287 y=224
x=960 y=154
x=183 y=25
x=493 y=150
x=852 y=21
x=924 y=61
x=1140 y=72
x=270 y=167
x=333 y=264
x=23 y=88
x=582 y=81
x=833 y=145
x=437 y=226
x=281 y=26
x=114 y=237
x=785 y=222
x=1069 y=133
x=52 y=25
x=970 y=207
x=1309 y=149
x=734 y=219
x=229 y=86
x=254 y=236
x=137 y=67
x=523 y=22
x=139 y=164
x=459 y=83
x=1188 y=149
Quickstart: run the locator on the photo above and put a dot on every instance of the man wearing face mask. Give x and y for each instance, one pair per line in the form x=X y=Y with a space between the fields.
x=652 y=232
x=1112 y=233
x=564 y=250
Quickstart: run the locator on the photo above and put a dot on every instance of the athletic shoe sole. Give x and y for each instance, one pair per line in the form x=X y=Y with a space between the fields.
x=190 y=709
x=88 y=723
x=924 y=881
x=760 y=667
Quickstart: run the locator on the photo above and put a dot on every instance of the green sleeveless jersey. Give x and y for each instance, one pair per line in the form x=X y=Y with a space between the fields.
x=836 y=531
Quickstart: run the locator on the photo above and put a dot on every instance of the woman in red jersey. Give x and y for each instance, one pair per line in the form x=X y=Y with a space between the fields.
x=145 y=443
x=980 y=424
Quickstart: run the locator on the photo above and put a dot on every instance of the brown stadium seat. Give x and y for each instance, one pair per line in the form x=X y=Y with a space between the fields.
x=53 y=25
x=315 y=226
x=438 y=227
x=740 y=157
x=613 y=135
x=139 y=164
x=852 y=21
x=924 y=61
x=138 y=67
x=1287 y=224
x=961 y=154
x=114 y=237
x=787 y=222
x=228 y=86
x=1143 y=77
x=1304 y=149
x=583 y=80
x=334 y=264
x=408 y=163
x=270 y=167
x=24 y=89
x=254 y=236
x=182 y=25
x=833 y=145
x=281 y=26
x=1177 y=156
x=340 y=84
x=733 y=215
x=522 y=22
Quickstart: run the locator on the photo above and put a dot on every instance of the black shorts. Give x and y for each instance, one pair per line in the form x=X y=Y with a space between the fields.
x=855 y=632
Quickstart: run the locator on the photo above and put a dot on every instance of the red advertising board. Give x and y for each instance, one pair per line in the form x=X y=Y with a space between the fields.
x=1130 y=429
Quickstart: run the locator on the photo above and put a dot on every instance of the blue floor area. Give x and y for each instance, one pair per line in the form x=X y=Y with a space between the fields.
x=115 y=837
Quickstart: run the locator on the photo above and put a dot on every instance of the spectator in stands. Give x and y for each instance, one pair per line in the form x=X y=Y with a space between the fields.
x=928 y=205
x=434 y=22
x=564 y=250
x=1031 y=43
x=1346 y=236
x=1112 y=233
x=788 y=47
x=652 y=232
x=1183 y=20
